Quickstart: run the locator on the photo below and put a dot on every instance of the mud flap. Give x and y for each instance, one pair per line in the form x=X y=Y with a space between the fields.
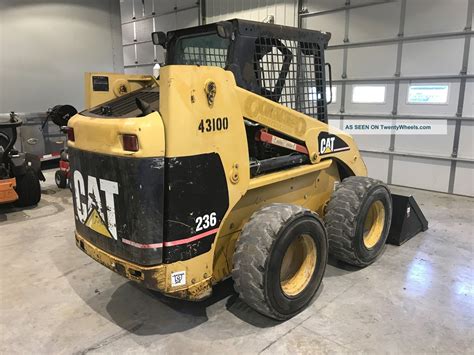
x=407 y=220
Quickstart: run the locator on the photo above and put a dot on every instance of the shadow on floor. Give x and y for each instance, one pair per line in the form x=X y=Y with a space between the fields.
x=144 y=312
x=166 y=315
x=339 y=268
x=51 y=207
x=153 y=313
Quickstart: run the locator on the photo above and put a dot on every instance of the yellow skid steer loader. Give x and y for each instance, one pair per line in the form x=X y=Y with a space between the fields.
x=225 y=166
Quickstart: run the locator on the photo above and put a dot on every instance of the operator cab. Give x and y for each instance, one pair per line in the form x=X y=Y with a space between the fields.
x=283 y=64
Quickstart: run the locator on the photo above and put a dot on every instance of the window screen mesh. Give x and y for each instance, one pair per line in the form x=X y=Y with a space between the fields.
x=205 y=56
x=291 y=73
x=207 y=49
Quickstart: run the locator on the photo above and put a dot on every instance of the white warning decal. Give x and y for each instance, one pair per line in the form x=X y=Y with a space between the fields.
x=93 y=214
x=178 y=278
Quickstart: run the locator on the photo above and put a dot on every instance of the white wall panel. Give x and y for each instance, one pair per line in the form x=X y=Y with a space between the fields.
x=127 y=33
x=362 y=2
x=371 y=141
x=144 y=29
x=166 y=23
x=169 y=15
x=435 y=16
x=187 y=18
x=334 y=57
x=464 y=177
x=322 y=5
x=164 y=6
x=468 y=109
x=332 y=22
x=335 y=122
x=374 y=22
x=139 y=10
x=466 y=141
x=436 y=144
x=432 y=57
x=148 y=7
x=427 y=174
x=368 y=62
x=158 y=7
x=128 y=55
x=182 y=4
x=126 y=10
x=470 y=63
x=145 y=53
x=377 y=165
x=255 y=10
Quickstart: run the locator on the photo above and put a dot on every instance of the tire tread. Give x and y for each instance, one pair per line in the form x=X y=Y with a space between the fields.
x=341 y=216
x=252 y=252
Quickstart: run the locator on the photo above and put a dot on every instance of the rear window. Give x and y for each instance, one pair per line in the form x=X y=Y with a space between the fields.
x=203 y=49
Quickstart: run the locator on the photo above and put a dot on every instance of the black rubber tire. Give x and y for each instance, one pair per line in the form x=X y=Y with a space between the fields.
x=28 y=188
x=345 y=216
x=260 y=250
x=60 y=177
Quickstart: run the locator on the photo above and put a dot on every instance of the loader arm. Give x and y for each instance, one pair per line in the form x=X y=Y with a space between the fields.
x=321 y=140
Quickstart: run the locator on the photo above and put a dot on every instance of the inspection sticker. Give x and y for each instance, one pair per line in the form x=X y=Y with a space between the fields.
x=178 y=278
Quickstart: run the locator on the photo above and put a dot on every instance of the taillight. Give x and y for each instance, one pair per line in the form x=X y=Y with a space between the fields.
x=70 y=134
x=130 y=142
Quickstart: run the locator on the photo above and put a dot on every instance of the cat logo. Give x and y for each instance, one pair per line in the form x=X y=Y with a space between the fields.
x=326 y=145
x=329 y=143
x=93 y=215
x=95 y=222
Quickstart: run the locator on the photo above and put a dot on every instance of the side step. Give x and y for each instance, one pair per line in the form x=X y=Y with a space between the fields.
x=407 y=219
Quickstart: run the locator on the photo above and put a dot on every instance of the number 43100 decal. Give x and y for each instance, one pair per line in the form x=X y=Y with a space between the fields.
x=213 y=124
x=206 y=221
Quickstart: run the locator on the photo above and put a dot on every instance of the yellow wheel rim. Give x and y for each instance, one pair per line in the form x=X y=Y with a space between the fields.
x=373 y=225
x=298 y=265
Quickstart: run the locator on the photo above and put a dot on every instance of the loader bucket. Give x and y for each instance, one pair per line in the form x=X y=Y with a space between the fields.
x=407 y=220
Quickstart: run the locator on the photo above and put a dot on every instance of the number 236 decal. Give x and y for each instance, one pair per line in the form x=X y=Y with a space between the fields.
x=206 y=221
x=213 y=124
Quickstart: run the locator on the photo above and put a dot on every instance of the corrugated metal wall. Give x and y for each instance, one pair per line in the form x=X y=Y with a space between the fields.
x=140 y=18
x=283 y=11
x=396 y=43
x=383 y=42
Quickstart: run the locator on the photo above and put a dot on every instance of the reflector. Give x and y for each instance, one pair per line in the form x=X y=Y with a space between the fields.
x=130 y=142
x=70 y=134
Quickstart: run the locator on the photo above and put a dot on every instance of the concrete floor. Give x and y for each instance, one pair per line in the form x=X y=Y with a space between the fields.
x=54 y=299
